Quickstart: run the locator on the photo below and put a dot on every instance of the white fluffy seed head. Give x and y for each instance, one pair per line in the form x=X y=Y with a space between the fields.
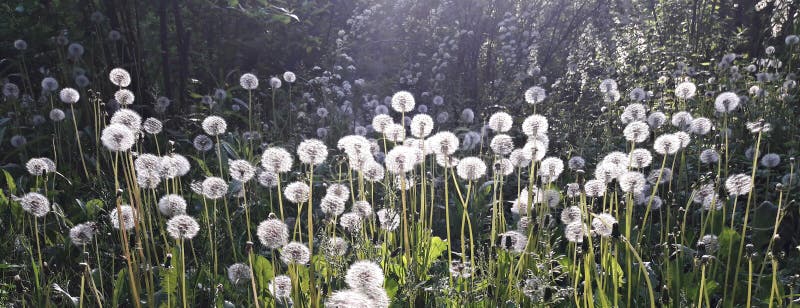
x=120 y=77
x=124 y=97
x=296 y=192
x=535 y=95
x=535 y=125
x=248 y=81
x=603 y=224
x=124 y=218
x=726 y=102
x=471 y=168
x=312 y=152
x=214 y=188
x=685 y=90
x=241 y=170
x=171 y=205
x=276 y=160
x=421 y=125
x=117 y=137
x=69 y=95
x=501 y=122
x=239 y=273
x=295 y=253
x=182 y=227
x=82 y=234
x=403 y=101
x=364 y=274
x=667 y=144
x=214 y=125
x=637 y=132
x=35 y=204
x=273 y=233
x=738 y=184
x=502 y=144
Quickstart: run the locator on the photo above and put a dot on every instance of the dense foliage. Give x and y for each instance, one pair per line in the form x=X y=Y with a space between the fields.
x=399 y=153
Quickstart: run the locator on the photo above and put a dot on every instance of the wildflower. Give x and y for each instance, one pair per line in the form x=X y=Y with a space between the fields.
x=503 y=166
x=709 y=156
x=421 y=125
x=335 y=247
x=550 y=169
x=640 y=158
x=685 y=90
x=82 y=81
x=700 y=126
x=124 y=219
x=20 y=45
x=351 y=222
x=395 y=133
x=248 y=81
x=289 y=77
x=57 y=115
x=364 y=274
x=460 y=269
x=273 y=233
x=117 y=137
x=400 y=159
x=124 y=97
x=667 y=144
x=637 y=94
x=513 y=241
x=239 y=273
x=738 y=184
x=49 y=84
x=517 y=158
x=467 y=115
x=281 y=287
x=332 y=206
x=632 y=182
x=665 y=174
x=502 y=144
x=312 y=152
x=571 y=214
x=35 y=203
x=69 y=95
x=296 y=192
x=574 y=232
x=267 y=179
x=82 y=234
x=603 y=224
x=348 y=299
x=726 y=102
x=535 y=125
x=535 y=95
x=10 y=90
x=274 y=83
x=607 y=85
x=276 y=160
x=389 y=219
x=120 y=77
x=182 y=227
x=471 y=168
x=442 y=117
x=214 y=125
x=637 y=132
x=152 y=126
x=214 y=188
x=38 y=167
x=656 y=119
x=709 y=244
x=172 y=205
x=403 y=101
x=684 y=138
x=129 y=118
x=770 y=160
x=595 y=188
x=633 y=112
x=75 y=50
x=295 y=253
x=682 y=119
x=241 y=170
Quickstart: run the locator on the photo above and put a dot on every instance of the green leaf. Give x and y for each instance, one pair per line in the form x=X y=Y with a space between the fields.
x=120 y=288
x=262 y=269
x=93 y=206
x=438 y=246
x=12 y=186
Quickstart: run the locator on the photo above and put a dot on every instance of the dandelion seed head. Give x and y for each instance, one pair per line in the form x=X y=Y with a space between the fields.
x=667 y=144
x=332 y=206
x=640 y=158
x=239 y=273
x=403 y=101
x=738 y=184
x=248 y=81
x=37 y=167
x=131 y=119
x=726 y=102
x=656 y=119
x=295 y=253
x=374 y=171
x=82 y=234
x=290 y=77
x=444 y=143
x=275 y=83
x=535 y=95
x=273 y=233
x=633 y=112
x=467 y=115
x=364 y=274
x=502 y=144
x=632 y=182
x=395 y=133
x=710 y=244
x=607 y=85
x=400 y=159
x=603 y=224
x=534 y=150
x=117 y=137
x=501 y=122
x=182 y=227
x=241 y=170
x=712 y=201
x=535 y=125
x=124 y=97
x=296 y=192
x=152 y=126
x=685 y=90
x=389 y=219
x=120 y=77
x=69 y=95
x=20 y=45
x=421 y=125
x=770 y=160
x=571 y=214
x=35 y=204
x=574 y=232
x=709 y=156
x=281 y=287
x=503 y=166
x=513 y=241
x=128 y=217
x=171 y=205
x=637 y=132
x=471 y=168
x=214 y=125
x=595 y=188
x=666 y=176
x=75 y=50
x=312 y=152
x=50 y=84
x=348 y=299
x=550 y=169
x=700 y=126
x=214 y=188
x=517 y=158
x=10 y=90
x=276 y=160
